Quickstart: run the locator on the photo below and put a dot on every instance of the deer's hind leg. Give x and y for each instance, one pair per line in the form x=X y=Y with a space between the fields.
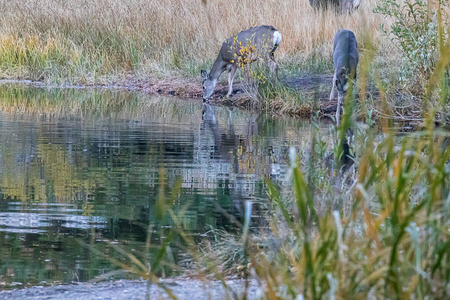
x=273 y=65
x=231 y=73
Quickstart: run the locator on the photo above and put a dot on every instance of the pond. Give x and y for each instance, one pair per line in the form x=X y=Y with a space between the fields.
x=82 y=172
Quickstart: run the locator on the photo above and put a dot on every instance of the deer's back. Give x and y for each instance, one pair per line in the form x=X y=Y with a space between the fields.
x=345 y=50
x=256 y=39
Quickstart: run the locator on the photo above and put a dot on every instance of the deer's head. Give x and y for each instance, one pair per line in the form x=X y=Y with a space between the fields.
x=208 y=114
x=343 y=78
x=208 y=85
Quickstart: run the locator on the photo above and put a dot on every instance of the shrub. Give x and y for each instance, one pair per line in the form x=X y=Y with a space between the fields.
x=415 y=31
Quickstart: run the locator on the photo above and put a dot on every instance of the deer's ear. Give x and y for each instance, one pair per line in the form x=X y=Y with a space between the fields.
x=204 y=75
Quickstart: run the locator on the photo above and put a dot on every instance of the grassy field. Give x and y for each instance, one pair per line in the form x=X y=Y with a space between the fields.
x=99 y=41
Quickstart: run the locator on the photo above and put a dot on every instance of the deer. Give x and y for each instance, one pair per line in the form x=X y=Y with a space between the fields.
x=244 y=48
x=347 y=6
x=345 y=59
x=344 y=6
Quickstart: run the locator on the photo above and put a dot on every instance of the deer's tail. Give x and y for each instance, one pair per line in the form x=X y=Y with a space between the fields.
x=276 y=42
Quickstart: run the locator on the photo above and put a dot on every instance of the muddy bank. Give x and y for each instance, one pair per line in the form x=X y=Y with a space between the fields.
x=130 y=289
x=314 y=89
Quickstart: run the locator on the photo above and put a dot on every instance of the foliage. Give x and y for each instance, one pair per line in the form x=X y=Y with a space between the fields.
x=260 y=84
x=251 y=76
x=415 y=31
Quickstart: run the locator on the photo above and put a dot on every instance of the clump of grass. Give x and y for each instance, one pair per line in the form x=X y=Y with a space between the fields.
x=264 y=87
x=222 y=249
x=384 y=238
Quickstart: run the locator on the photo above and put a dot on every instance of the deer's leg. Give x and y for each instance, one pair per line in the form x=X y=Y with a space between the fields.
x=231 y=73
x=229 y=121
x=334 y=86
x=338 y=109
x=273 y=65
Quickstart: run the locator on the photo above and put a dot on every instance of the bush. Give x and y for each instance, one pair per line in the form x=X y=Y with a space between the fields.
x=415 y=31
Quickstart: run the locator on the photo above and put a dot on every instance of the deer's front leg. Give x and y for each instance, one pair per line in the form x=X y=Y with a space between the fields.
x=231 y=72
x=338 y=109
x=273 y=65
x=334 y=86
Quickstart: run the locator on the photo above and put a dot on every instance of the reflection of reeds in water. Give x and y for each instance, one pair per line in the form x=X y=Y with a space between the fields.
x=49 y=158
x=94 y=104
x=89 y=104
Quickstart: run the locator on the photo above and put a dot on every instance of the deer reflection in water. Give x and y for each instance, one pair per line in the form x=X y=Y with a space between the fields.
x=224 y=145
x=223 y=155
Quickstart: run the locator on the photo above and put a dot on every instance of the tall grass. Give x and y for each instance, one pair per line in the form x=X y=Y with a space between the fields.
x=85 y=41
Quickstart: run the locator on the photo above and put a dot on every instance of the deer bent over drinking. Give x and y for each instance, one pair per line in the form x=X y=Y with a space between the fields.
x=345 y=58
x=246 y=47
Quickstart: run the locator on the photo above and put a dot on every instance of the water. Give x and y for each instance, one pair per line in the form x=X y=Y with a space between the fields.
x=84 y=172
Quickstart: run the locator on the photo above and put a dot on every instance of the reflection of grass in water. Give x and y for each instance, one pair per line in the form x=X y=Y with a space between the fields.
x=88 y=103
x=53 y=168
x=56 y=172
x=30 y=185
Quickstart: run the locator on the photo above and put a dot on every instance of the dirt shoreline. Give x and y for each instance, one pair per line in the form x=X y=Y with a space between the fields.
x=311 y=86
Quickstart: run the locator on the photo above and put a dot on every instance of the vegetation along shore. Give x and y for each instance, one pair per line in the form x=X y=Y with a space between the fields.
x=162 y=48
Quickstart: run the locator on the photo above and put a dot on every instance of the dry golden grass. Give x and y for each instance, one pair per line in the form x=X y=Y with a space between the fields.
x=86 y=39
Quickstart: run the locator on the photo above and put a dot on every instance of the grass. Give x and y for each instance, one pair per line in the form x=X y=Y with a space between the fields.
x=104 y=40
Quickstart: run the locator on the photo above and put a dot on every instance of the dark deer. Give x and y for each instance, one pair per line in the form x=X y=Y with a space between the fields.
x=345 y=58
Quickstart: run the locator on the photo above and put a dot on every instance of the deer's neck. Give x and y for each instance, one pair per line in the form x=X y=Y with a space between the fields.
x=218 y=67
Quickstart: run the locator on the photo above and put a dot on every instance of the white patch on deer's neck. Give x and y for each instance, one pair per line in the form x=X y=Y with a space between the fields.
x=276 y=37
